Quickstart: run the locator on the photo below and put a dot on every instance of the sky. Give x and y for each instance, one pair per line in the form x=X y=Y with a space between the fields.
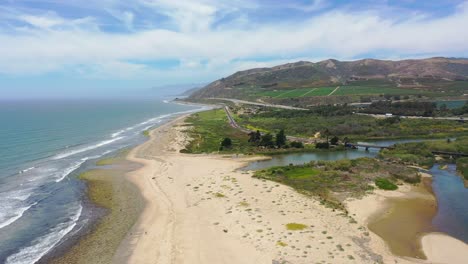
x=86 y=48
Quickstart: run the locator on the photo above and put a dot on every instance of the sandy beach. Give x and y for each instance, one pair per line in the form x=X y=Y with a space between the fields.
x=200 y=209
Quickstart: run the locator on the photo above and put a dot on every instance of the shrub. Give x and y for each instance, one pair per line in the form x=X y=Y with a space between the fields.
x=462 y=167
x=297 y=144
x=295 y=226
x=323 y=145
x=226 y=143
x=385 y=184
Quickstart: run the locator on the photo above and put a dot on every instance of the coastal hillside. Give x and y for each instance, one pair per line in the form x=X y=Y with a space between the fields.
x=428 y=77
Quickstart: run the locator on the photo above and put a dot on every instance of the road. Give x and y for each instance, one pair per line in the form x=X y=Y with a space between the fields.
x=234 y=124
x=414 y=117
x=236 y=101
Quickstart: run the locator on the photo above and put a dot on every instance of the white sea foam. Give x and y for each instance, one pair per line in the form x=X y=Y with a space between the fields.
x=67 y=171
x=7 y=218
x=26 y=170
x=76 y=151
x=44 y=244
x=117 y=133
x=21 y=195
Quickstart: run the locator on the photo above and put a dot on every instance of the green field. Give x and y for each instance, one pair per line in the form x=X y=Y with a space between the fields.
x=300 y=92
x=342 y=91
x=368 y=90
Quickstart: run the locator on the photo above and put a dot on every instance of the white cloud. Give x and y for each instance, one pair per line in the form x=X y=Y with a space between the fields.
x=56 y=43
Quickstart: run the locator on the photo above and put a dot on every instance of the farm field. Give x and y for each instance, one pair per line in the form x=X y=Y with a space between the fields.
x=342 y=90
x=301 y=92
x=363 y=90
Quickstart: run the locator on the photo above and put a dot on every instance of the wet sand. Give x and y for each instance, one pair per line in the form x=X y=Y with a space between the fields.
x=405 y=219
x=403 y=223
x=122 y=202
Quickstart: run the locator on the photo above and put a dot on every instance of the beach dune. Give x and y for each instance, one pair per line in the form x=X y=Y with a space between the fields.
x=201 y=209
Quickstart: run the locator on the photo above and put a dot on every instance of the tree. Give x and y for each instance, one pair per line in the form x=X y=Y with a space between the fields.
x=297 y=144
x=267 y=140
x=226 y=143
x=346 y=140
x=334 y=140
x=280 y=138
x=254 y=137
x=327 y=134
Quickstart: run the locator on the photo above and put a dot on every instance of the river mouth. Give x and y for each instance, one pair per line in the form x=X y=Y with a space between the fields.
x=437 y=204
x=403 y=222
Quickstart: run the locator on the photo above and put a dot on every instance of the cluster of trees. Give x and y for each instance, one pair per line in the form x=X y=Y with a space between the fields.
x=267 y=140
x=333 y=141
x=402 y=108
x=443 y=109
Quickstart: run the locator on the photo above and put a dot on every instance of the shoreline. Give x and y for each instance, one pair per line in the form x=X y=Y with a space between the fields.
x=111 y=194
x=205 y=209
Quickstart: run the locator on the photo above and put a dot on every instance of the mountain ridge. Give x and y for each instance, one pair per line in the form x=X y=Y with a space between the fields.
x=401 y=73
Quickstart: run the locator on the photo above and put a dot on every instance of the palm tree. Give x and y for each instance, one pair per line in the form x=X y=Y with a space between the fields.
x=327 y=133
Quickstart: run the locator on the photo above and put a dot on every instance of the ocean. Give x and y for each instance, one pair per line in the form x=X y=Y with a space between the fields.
x=44 y=145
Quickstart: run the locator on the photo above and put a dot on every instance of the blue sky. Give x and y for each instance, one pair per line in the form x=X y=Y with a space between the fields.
x=83 y=48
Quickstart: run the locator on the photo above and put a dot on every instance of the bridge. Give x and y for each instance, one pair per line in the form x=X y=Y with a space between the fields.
x=447 y=153
x=367 y=146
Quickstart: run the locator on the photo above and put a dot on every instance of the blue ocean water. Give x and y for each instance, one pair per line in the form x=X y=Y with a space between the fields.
x=43 y=145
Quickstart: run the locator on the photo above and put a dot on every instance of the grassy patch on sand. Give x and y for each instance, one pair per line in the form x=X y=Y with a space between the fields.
x=219 y=195
x=281 y=244
x=146 y=133
x=385 y=184
x=295 y=226
x=334 y=181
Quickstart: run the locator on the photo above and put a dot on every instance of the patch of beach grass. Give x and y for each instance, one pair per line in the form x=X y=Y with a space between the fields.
x=244 y=204
x=295 y=226
x=281 y=244
x=219 y=195
x=385 y=184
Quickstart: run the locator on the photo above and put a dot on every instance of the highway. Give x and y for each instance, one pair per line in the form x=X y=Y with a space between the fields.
x=234 y=124
x=236 y=101
x=414 y=117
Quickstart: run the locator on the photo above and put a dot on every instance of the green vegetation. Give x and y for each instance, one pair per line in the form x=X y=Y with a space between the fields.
x=210 y=132
x=295 y=226
x=332 y=181
x=146 y=133
x=105 y=162
x=300 y=92
x=209 y=129
x=374 y=90
x=462 y=167
x=420 y=153
x=342 y=123
x=354 y=88
x=402 y=108
x=385 y=184
x=226 y=143
x=219 y=195
x=281 y=244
